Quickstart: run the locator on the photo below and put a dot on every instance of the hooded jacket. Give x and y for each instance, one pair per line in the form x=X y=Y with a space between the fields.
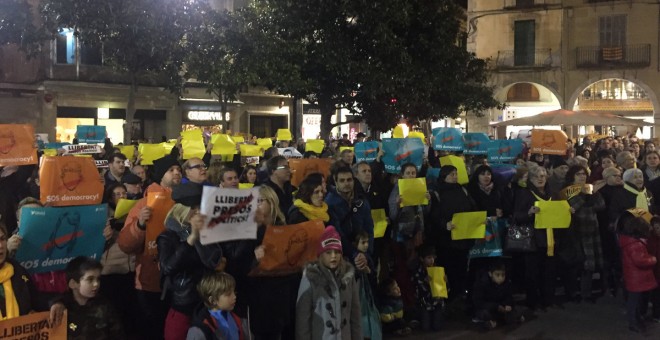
x=637 y=264
x=328 y=304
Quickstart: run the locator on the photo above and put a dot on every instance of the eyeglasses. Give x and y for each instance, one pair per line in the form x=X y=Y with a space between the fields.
x=198 y=166
x=281 y=167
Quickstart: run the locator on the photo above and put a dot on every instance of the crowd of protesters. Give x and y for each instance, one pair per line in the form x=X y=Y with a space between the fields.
x=361 y=286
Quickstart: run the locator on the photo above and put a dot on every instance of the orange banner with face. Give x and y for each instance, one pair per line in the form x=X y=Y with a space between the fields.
x=302 y=167
x=17 y=145
x=549 y=142
x=67 y=181
x=288 y=248
x=160 y=204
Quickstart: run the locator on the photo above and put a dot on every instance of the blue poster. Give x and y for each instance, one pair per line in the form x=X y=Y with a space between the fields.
x=502 y=150
x=399 y=151
x=448 y=139
x=54 y=236
x=366 y=151
x=55 y=145
x=90 y=134
x=476 y=143
x=432 y=175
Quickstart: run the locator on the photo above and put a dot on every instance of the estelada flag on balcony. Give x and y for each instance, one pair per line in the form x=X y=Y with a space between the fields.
x=549 y=142
x=476 y=143
x=448 y=139
x=90 y=134
x=301 y=167
x=17 y=145
x=288 y=248
x=68 y=181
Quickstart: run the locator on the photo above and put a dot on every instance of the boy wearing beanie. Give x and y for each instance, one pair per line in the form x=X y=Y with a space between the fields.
x=328 y=304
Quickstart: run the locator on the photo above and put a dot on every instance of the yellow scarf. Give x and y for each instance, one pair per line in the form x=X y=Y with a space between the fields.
x=642 y=200
x=313 y=212
x=6 y=272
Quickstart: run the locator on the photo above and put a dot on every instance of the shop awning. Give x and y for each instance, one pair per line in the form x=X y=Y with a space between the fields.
x=568 y=117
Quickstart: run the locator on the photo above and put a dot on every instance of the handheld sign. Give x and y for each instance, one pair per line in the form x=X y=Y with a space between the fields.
x=90 y=134
x=448 y=139
x=503 y=150
x=17 y=145
x=399 y=151
x=366 y=151
x=230 y=214
x=549 y=142
x=476 y=143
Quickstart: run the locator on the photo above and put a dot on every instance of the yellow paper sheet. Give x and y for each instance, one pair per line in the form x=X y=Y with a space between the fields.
x=227 y=158
x=223 y=145
x=248 y=150
x=380 y=222
x=123 y=207
x=398 y=132
x=127 y=150
x=245 y=185
x=552 y=214
x=315 y=145
x=284 y=134
x=238 y=139
x=84 y=155
x=469 y=225
x=191 y=134
x=150 y=152
x=437 y=281
x=342 y=148
x=50 y=152
x=417 y=134
x=459 y=164
x=193 y=148
x=265 y=143
x=168 y=146
x=413 y=192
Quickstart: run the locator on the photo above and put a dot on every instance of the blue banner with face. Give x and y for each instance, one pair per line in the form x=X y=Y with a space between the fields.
x=399 y=151
x=52 y=237
x=476 y=143
x=448 y=139
x=90 y=134
x=366 y=151
x=503 y=150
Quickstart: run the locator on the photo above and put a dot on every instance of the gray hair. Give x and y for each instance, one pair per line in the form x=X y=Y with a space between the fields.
x=621 y=156
x=534 y=171
x=628 y=174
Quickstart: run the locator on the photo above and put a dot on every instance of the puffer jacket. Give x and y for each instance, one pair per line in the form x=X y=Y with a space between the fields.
x=182 y=265
x=348 y=219
x=637 y=264
x=328 y=306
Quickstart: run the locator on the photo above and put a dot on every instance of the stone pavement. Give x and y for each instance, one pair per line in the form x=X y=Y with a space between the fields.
x=604 y=320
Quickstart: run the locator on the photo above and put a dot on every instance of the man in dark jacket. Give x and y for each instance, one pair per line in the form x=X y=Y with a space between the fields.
x=280 y=180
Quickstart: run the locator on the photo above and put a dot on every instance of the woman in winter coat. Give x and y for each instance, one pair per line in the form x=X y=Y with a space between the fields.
x=635 y=195
x=584 y=231
x=450 y=198
x=183 y=259
x=328 y=305
x=309 y=203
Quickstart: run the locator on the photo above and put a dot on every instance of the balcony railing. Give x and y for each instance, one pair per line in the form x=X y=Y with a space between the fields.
x=509 y=60
x=628 y=56
x=529 y=4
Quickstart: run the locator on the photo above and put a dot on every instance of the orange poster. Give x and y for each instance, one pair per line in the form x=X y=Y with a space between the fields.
x=288 y=248
x=67 y=181
x=33 y=326
x=160 y=204
x=302 y=167
x=549 y=142
x=17 y=145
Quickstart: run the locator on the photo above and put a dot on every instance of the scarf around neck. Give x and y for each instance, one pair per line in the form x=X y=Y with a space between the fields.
x=313 y=212
x=642 y=199
x=11 y=305
x=488 y=188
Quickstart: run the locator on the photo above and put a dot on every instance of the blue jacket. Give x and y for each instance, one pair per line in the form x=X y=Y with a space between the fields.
x=348 y=220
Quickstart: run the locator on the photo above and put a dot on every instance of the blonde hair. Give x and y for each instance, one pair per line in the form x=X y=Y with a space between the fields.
x=276 y=215
x=214 y=173
x=214 y=285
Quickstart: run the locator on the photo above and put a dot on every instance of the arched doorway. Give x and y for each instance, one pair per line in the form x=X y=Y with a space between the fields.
x=523 y=99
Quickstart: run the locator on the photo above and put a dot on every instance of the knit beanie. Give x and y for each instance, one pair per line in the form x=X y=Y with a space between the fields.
x=162 y=165
x=329 y=240
x=628 y=174
x=188 y=194
x=558 y=161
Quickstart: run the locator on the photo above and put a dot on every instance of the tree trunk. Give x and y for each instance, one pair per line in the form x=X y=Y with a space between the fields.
x=327 y=108
x=223 y=116
x=130 y=110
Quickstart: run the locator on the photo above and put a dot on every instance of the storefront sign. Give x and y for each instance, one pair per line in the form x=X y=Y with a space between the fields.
x=205 y=115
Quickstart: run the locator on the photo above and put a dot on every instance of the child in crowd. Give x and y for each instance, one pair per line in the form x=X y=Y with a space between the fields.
x=215 y=319
x=430 y=308
x=328 y=304
x=361 y=243
x=88 y=315
x=653 y=247
x=366 y=278
x=637 y=265
x=390 y=306
x=493 y=298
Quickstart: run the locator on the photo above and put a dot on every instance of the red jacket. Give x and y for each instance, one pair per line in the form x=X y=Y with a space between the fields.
x=653 y=247
x=637 y=264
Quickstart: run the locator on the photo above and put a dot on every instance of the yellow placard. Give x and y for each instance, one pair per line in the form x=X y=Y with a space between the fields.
x=77 y=155
x=417 y=134
x=438 y=282
x=248 y=150
x=123 y=207
x=127 y=150
x=459 y=164
x=552 y=214
x=245 y=185
x=469 y=225
x=265 y=143
x=315 y=145
x=223 y=145
x=150 y=152
x=227 y=158
x=168 y=146
x=380 y=222
x=238 y=139
x=398 y=132
x=193 y=148
x=284 y=134
x=50 y=152
x=192 y=134
x=342 y=148
x=413 y=192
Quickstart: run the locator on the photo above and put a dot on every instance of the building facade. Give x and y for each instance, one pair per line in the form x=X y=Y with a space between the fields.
x=595 y=55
